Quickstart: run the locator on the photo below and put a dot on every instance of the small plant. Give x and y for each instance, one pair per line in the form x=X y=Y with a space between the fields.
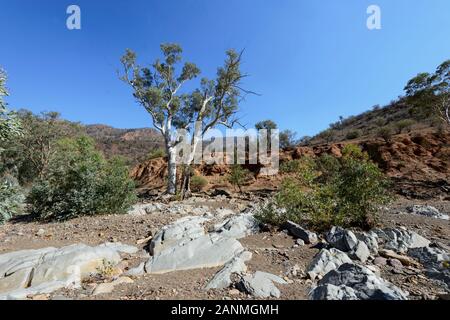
x=157 y=153
x=198 y=183
x=238 y=176
x=106 y=270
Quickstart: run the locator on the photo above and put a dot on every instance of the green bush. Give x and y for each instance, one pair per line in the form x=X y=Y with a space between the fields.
x=354 y=134
x=11 y=199
x=385 y=133
x=404 y=124
x=345 y=192
x=238 y=176
x=198 y=183
x=79 y=181
x=157 y=153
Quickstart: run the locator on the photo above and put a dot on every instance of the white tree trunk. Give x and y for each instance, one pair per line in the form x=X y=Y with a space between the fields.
x=172 y=171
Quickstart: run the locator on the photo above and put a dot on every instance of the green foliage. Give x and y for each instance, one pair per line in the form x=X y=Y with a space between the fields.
x=79 y=181
x=327 y=135
x=11 y=199
x=29 y=154
x=404 y=124
x=287 y=139
x=158 y=89
x=330 y=191
x=198 y=183
x=266 y=124
x=238 y=176
x=385 y=133
x=354 y=134
x=429 y=94
x=9 y=124
x=157 y=153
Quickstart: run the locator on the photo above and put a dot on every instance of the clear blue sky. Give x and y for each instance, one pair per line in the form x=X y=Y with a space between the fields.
x=311 y=60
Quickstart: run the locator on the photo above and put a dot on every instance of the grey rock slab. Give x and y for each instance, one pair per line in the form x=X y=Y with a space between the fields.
x=365 y=284
x=370 y=239
x=400 y=240
x=436 y=261
x=178 y=233
x=427 y=211
x=332 y=292
x=31 y=272
x=222 y=279
x=137 y=271
x=297 y=231
x=347 y=241
x=325 y=261
x=206 y=251
x=120 y=247
x=238 y=226
x=342 y=239
x=261 y=284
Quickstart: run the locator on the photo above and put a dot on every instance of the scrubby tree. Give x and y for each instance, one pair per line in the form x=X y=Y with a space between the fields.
x=30 y=153
x=288 y=139
x=80 y=181
x=430 y=93
x=158 y=89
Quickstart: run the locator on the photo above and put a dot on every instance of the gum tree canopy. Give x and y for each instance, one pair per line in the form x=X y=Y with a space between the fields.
x=430 y=93
x=158 y=88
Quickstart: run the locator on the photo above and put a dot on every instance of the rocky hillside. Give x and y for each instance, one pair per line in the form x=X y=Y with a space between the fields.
x=418 y=162
x=397 y=117
x=133 y=144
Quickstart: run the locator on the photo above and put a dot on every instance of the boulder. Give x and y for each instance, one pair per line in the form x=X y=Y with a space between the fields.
x=436 y=261
x=298 y=232
x=222 y=279
x=400 y=240
x=261 y=284
x=346 y=241
x=427 y=211
x=342 y=239
x=325 y=261
x=352 y=281
x=332 y=292
x=370 y=239
x=238 y=226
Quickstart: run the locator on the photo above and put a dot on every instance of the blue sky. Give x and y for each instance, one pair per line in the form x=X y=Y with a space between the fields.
x=311 y=60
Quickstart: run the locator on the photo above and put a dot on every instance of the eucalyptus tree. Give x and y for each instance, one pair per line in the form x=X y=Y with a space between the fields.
x=160 y=89
x=430 y=93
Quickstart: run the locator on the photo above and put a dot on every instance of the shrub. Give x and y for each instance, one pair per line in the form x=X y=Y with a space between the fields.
x=385 y=133
x=79 y=181
x=354 y=134
x=157 y=153
x=404 y=124
x=325 y=192
x=11 y=199
x=238 y=176
x=198 y=183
